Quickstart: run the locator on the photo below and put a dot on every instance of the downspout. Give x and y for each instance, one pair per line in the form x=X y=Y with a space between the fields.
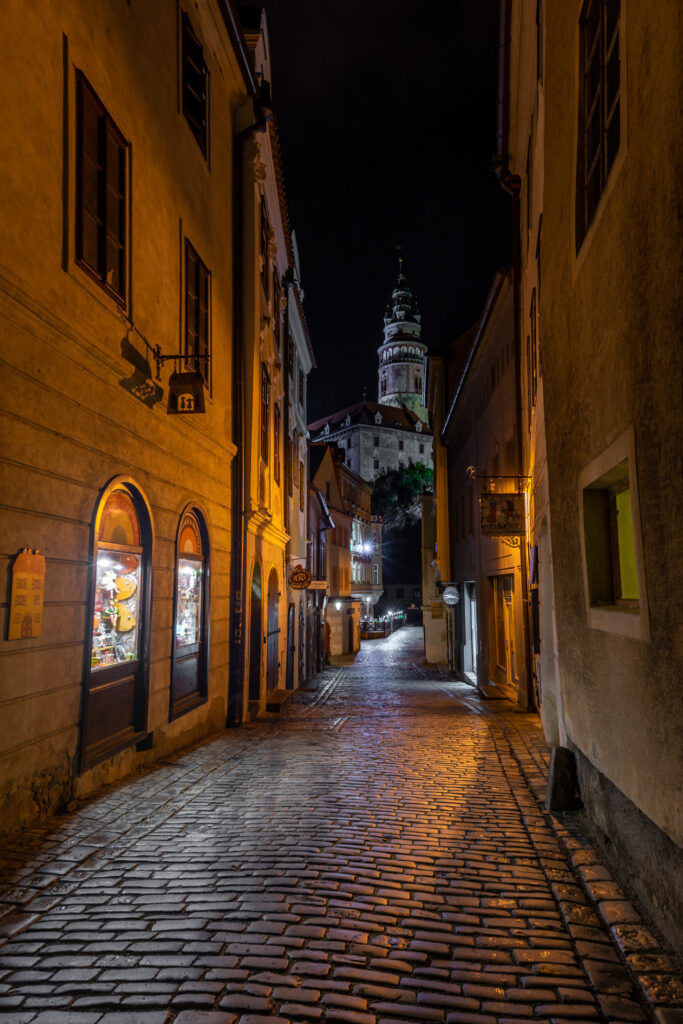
x=238 y=558
x=511 y=183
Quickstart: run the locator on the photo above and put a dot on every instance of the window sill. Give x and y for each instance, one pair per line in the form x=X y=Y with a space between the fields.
x=615 y=619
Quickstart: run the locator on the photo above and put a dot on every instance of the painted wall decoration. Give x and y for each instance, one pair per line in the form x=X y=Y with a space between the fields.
x=28 y=591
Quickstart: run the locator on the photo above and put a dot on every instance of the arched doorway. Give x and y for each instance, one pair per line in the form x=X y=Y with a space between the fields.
x=117 y=667
x=302 y=641
x=273 y=633
x=255 y=635
x=350 y=628
x=189 y=676
x=290 y=646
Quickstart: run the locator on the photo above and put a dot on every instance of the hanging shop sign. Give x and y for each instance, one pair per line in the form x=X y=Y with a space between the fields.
x=502 y=515
x=28 y=590
x=185 y=393
x=317 y=585
x=299 y=578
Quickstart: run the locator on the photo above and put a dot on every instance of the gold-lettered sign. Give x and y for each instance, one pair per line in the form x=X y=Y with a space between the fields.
x=502 y=514
x=28 y=591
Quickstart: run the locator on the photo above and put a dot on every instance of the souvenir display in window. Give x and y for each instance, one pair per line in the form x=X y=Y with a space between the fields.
x=188 y=602
x=115 y=617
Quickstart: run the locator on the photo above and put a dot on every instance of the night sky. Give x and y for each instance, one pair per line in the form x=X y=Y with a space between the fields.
x=387 y=119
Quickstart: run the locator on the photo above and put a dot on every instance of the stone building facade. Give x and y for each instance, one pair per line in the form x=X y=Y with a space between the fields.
x=148 y=282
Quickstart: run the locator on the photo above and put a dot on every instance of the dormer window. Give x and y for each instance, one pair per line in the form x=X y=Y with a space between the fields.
x=347 y=421
x=378 y=417
x=418 y=426
x=326 y=428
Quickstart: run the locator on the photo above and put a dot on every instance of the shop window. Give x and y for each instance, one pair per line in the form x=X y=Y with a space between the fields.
x=195 y=84
x=189 y=661
x=100 y=193
x=265 y=411
x=197 y=292
x=599 y=106
x=611 y=542
x=115 y=692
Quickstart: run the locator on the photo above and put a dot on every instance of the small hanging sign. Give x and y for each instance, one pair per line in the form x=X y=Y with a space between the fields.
x=28 y=588
x=502 y=514
x=299 y=578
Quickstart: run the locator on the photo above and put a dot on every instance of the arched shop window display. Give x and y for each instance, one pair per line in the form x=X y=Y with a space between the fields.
x=115 y=694
x=190 y=632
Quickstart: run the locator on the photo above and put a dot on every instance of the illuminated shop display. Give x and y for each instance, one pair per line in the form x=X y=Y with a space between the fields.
x=189 y=602
x=118 y=578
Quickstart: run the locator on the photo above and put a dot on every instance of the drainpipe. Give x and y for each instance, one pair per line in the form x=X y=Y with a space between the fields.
x=238 y=558
x=511 y=183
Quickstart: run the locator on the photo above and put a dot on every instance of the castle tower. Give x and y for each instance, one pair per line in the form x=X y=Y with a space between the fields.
x=402 y=353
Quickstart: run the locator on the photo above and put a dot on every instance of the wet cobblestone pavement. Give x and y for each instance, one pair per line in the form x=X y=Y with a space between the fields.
x=378 y=854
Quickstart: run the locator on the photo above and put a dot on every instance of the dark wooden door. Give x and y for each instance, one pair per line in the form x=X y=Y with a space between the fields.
x=117 y=669
x=290 y=647
x=302 y=647
x=273 y=633
x=255 y=627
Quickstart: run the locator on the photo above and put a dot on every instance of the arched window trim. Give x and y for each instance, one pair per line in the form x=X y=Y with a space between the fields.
x=180 y=706
x=136 y=673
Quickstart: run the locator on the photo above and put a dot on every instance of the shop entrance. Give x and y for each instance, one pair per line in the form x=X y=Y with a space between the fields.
x=116 y=678
x=350 y=631
x=255 y=635
x=302 y=642
x=504 y=631
x=470 y=632
x=273 y=633
x=189 y=669
x=290 y=647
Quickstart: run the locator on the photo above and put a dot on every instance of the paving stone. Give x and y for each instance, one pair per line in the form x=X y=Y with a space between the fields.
x=398 y=869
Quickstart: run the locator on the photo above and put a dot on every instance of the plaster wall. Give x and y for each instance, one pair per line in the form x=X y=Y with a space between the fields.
x=612 y=361
x=69 y=422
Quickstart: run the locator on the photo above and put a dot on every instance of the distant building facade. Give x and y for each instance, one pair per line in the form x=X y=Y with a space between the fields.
x=394 y=430
x=353 y=546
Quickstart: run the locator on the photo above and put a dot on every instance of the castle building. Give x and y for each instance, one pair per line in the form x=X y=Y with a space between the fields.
x=394 y=430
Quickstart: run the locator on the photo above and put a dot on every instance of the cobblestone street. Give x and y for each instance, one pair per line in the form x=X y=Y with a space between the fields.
x=377 y=853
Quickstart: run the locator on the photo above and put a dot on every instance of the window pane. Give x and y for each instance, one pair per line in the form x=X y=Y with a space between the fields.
x=613 y=135
x=188 y=602
x=89 y=242
x=113 y=272
x=115 y=619
x=613 y=74
x=627 y=552
x=612 y=11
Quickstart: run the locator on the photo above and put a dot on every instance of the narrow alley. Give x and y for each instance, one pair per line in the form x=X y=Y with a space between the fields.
x=376 y=854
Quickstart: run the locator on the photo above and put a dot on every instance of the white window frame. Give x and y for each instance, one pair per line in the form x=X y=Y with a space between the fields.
x=624 y=622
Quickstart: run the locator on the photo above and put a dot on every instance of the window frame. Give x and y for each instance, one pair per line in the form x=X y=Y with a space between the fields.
x=277 y=428
x=198 y=352
x=265 y=413
x=107 y=129
x=199 y=128
x=603 y=474
x=597 y=156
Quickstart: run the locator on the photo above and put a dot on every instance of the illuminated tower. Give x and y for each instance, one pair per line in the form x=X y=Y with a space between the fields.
x=402 y=353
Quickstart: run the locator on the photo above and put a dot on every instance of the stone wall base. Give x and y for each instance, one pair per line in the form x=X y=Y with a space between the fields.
x=642 y=858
